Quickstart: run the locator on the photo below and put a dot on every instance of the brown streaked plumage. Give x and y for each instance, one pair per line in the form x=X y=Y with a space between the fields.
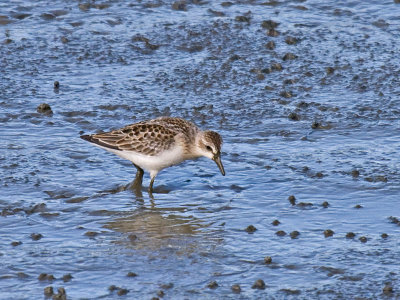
x=159 y=143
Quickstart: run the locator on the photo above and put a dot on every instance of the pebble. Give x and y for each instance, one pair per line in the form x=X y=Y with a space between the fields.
x=259 y=284
x=325 y=204
x=328 y=233
x=212 y=285
x=44 y=108
x=36 y=236
x=294 y=234
x=280 y=233
x=275 y=222
x=268 y=260
x=236 y=288
x=350 y=235
x=250 y=229
x=48 y=291
x=363 y=239
x=131 y=274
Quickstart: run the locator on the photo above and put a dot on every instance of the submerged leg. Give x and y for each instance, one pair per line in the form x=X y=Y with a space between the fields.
x=151 y=185
x=137 y=183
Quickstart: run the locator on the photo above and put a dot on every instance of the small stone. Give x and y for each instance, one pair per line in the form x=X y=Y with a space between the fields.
x=112 y=288
x=167 y=286
x=388 y=289
x=275 y=222
x=91 y=234
x=286 y=94
x=280 y=233
x=292 y=199
x=328 y=233
x=259 y=284
x=330 y=70
x=294 y=234
x=270 y=45
x=363 y=239
x=355 y=173
x=289 y=56
x=160 y=293
x=384 y=235
x=132 y=237
x=276 y=67
x=122 y=292
x=294 y=117
x=44 y=108
x=250 y=229
x=358 y=206
x=48 y=291
x=350 y=235
x=273 y=33
x=56 y=84
x=22 y=275
x=242 y=19
x=67 y=277
x=268 y=260
x=131 y=274
x=236 y=288
x=212 y=285
x=291 y=40
x=15 y=243
x=269 y=24
x=179 y=5
x=325 y=204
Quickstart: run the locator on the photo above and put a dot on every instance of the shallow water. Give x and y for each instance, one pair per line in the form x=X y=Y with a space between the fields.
x=322 y=126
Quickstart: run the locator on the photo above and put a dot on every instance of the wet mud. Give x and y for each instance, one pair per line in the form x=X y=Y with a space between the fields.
x=306 y=97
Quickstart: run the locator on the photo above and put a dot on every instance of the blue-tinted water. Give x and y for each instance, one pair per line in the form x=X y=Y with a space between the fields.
x=324 y=127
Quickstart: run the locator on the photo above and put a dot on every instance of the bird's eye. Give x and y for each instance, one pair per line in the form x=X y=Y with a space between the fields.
x=208 y=148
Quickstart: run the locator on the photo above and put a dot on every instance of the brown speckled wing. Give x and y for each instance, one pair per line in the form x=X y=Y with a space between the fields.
x=144 y=137
x=177 y=125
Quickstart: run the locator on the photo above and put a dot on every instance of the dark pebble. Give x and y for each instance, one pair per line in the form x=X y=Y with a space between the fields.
x=155 y=298
x=212 y=285
x=316 y=125
x=275 y=222
x=48 y=291
x=273 y=33
x=112 y=288
x=304 y=204
x=270 y=45
x=291 y=40
x=394 y=220
x=236 y=288
x=355 y=173
x=259 y=284
x=64 y=40
x=363 y=239
x=280 y=233
x=276 y=67
x=132 y=237
x=67 y=277
x=44 y=108
x=14 y=244
x=319 y=175
x=122 y=292
x=328 y=233
x=36 y=236
x=294 y=234
x=56 y=84
x=167 y=286
x=269 y=24
x=388 y=289
x=179 y=5
x=160 y=293
x=22 y=275
x=292 y=199
x=268 y=260
x=350 y=235
x=384 y=235
x=250 y=229
x=91 y=233
x=325 y=204
x=293 y=116
x=242 y=19
x=131 y=274
x=226 y=4
x=330 y=70
x=358 y=206
x=289 y=56
x=286 y=94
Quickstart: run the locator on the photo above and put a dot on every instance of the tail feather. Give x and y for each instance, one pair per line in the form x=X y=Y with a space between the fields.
x=92 y=139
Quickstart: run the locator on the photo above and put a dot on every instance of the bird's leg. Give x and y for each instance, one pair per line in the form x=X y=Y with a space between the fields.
x=137 y=183
x=151 y=185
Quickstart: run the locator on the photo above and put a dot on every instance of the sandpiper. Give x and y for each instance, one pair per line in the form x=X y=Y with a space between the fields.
x=157 y=144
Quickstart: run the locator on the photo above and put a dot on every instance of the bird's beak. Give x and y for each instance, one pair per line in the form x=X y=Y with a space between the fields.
x=217 y=159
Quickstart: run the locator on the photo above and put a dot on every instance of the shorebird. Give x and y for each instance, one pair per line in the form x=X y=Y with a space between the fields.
x=157 y=144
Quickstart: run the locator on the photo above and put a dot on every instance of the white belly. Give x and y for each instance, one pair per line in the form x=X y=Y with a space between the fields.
x=152 y=164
